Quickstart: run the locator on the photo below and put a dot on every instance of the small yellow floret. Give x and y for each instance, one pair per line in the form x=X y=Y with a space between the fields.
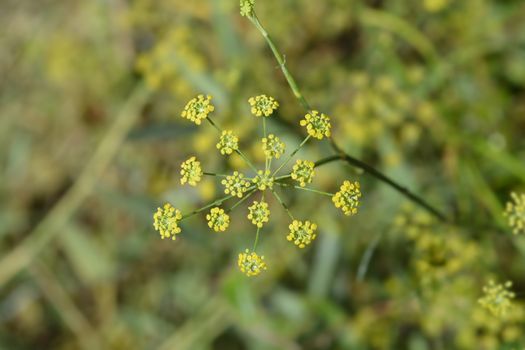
x=263 y=105
x=303 y=172
x=259 y=214
x=317 y=125
x=236 y=184
x=301 y=233
x=273 y=147
x=191 y=172
x=165 y=220
x=198 y=109
x=251 y=264
x=228 y=142
x=218 y=220
x=263 y=180
x=348 y=197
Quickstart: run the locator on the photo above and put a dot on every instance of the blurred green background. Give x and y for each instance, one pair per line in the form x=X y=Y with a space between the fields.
x=430 y=92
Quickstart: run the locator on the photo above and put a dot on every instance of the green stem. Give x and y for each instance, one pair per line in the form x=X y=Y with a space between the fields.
x=214 y=174
x=282 y=62
x=196 y=211
x=305 y=189
x=341 y=154
x=380 y=176
x=282 y=204
x=248 y=195
x=214 y=125
x=256 y=239
x=291 y=155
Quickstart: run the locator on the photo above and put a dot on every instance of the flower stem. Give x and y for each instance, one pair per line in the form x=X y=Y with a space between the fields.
x=291 y=155
x=305 y=189
x=217 y=202
x=282 y=204
x=214 y=174
x=248 y=195
x=341 y=155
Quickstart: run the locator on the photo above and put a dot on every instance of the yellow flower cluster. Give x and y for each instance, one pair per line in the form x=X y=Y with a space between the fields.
x=497 y=298
x=301 y=233
x=247 y=7
x=348 y=197
x=191 y=172
x=251 y=264
x=263 y=180
x=236 y=184
x=198 y=109
x=259 y=213
x=228 y=143
x=263 y=105
x=515 y=212
x=273 y=147
x=218 y=220
x=303 y=172
x=317 y=125
x=165 y=220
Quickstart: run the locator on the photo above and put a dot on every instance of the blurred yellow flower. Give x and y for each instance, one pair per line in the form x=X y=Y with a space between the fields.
x=515 y=212
x=497 y=298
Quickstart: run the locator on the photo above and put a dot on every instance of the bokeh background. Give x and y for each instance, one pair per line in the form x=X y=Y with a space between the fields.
x=431 y=92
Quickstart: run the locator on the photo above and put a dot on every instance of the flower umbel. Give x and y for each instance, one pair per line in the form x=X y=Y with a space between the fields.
x=273 y=147
x=317 y=125
x=348 y=197
x=191 y=172
x=303 y=172
x=165 y=220
x=259 y=213
x=236 y=184
x=498 y=298
x=515 y=212
x=247 y=7
x=228 y=143
x=263 y=105
x=250 y=263
x=218 y=220
x=198 y=109
x=263 y=180
x=301 y=233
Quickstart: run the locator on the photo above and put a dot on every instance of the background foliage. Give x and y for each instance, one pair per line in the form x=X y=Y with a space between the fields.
x=431 y=92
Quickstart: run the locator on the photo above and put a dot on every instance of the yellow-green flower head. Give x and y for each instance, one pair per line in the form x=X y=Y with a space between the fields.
x=515 y=212
x=228 y=142
x=301 y=233
x=198 y=109
x=218 y=220
x=166 y=220
x=348 y=197
x=263 y=105
x=236 y=184
x=317 y=125
x=259 y=214
x=247 y=7
x=251 y=264
x=191 y=172
x=303 y=172
x=273 y=147
x=263 y=180
x=498 y=298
